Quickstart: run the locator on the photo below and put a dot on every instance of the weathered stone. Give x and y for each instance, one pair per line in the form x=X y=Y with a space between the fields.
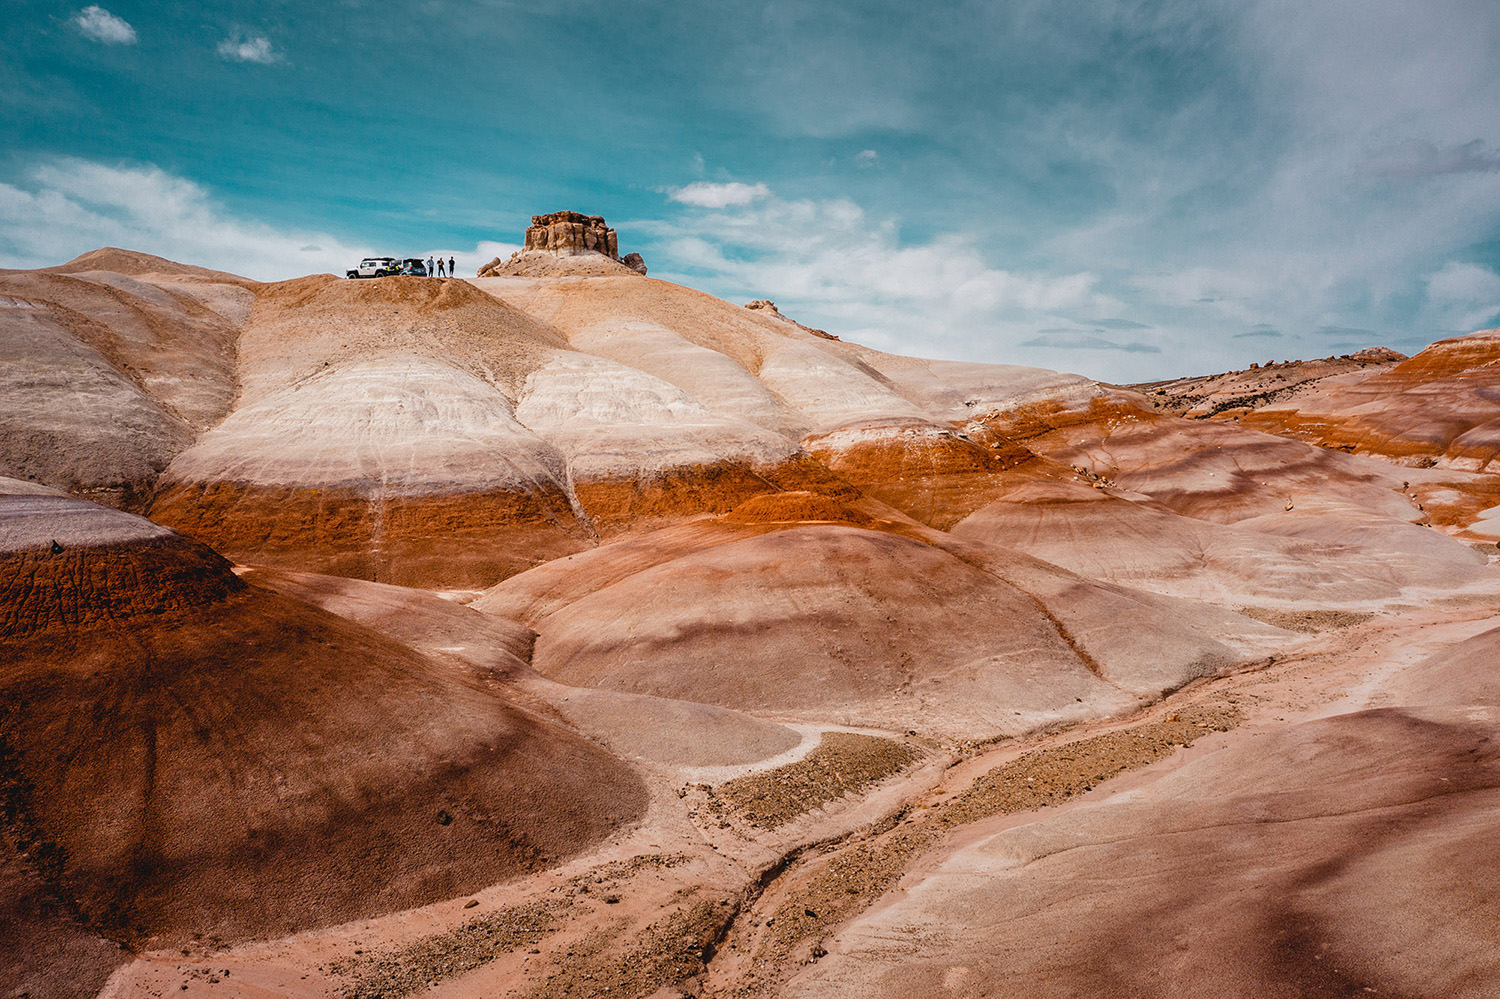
x=569 y=233
x=635 y=262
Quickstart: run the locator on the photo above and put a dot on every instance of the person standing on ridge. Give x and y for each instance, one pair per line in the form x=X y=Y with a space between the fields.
x=431 y=267
x=440 y=267
x=452 y=267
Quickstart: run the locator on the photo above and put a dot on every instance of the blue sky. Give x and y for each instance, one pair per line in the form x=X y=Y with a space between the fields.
x=1129 y=190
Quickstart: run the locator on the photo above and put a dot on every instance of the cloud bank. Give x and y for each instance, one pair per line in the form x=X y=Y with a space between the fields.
x=704 y=194
x=100 y=25
x=65 y=207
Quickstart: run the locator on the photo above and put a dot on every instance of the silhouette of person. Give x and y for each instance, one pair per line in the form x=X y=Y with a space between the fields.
x=440 y=266
x=452 y=268
x=430 y=267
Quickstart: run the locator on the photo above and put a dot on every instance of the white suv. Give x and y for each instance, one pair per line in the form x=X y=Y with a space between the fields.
x=372 y=267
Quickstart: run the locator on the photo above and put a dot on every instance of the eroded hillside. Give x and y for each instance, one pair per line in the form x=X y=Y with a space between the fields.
x=570 y=632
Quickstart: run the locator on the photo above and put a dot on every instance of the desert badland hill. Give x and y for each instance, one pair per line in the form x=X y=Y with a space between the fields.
x=568 y=632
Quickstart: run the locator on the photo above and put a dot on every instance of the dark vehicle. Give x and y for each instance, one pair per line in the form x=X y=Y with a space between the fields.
x=372 y=267
x=414 y=267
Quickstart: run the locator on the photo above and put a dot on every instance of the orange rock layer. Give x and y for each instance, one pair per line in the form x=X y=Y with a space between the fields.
x=1443 y=404
x=461 y=541
x=932 y=474
x=157 y=579
x=649 y=501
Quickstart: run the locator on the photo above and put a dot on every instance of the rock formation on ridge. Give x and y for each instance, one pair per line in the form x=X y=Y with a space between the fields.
x=566 y=234
x=567 y=243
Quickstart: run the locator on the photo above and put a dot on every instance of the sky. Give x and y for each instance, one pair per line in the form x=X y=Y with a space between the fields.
x=1130 y=190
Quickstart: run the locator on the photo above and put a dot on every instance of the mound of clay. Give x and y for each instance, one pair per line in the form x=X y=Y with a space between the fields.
x=105 y=377
x=397 y=469
x=187 y=755
x=1442 y=405
x=117 y=261
x=540 y=263
x=1225 y=472
x=374 y=438
x=852 y=626
x=67 y=564
x=653 y=729
x=1290 y=557
x=930 y=472
x=794 y=507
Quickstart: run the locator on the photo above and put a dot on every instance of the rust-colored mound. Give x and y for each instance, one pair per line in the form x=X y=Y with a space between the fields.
x=1219 y=472
x=795 y=507
x=66 y=563
x=457 y=541
x=927 y=471
x=1443 y=404
x=646 y=501
x=208 y=758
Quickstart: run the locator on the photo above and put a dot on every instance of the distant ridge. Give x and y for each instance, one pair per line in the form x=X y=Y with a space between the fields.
x=135 y=263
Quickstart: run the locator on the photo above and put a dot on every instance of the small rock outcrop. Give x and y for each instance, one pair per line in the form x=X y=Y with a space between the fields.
x=567 y=244
x=766 y=305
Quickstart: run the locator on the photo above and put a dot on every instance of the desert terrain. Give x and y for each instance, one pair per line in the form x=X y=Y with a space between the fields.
x=569 y=632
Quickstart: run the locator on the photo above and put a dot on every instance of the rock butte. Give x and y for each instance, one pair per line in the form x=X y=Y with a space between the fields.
x=406 y=636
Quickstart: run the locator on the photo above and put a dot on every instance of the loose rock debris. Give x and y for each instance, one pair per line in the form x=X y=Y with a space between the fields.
x=844 y=762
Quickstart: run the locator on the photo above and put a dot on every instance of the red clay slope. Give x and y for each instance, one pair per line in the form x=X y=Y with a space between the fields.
x=185 y=754
x=1443 y=404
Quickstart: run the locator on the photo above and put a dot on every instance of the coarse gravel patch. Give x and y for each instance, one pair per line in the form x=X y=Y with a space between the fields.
x=843 y=762
x=1309 y=622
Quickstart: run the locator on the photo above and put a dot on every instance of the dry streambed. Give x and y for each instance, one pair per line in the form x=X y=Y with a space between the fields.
x=783 y=931
x=713 y=941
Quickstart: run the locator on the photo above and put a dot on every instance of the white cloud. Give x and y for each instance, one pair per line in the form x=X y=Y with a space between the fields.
x=704 y=194
x=237 y=48
x=468 y=262
x=99 y=24
x=829 y=264
x=1464 y=296
x=70 y=206
x=866 y=158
